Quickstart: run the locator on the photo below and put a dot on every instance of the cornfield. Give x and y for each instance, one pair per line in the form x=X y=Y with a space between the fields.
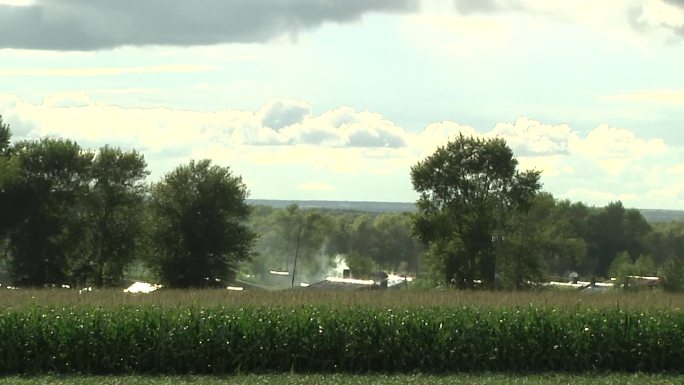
x=343 y=338
x=112 y=298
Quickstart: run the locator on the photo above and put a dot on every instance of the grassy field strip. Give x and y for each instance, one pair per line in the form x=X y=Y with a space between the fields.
x=210 y=298
x=292 y=379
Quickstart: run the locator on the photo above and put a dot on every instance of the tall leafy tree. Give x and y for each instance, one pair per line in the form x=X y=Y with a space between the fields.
x=398 y=250
x=522 y=248
x=567 y=232
x=542 y=240
x=52 y=181
x=637 y=231
x=465 y=188
x=365 y=237
x=667 y=241
x=8 y=178
x=5 y=136
x=612 y=230
x=363 y=249
x=117 y=213
x=345 y=240
x=198 y=233
x=606 y=236
x=340 y=233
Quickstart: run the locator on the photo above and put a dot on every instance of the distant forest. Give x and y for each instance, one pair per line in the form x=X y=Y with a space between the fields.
x=651 y=215
x=600 y=242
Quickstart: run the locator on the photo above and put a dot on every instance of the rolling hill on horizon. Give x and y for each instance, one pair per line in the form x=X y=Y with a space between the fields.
x=651 y=215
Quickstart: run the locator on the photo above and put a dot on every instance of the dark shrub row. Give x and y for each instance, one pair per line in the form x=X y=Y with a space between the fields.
x=327 y=339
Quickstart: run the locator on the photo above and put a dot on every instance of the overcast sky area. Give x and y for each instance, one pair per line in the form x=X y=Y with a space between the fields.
x=336 y=100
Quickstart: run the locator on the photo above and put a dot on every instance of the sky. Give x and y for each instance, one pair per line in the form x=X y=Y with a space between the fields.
x=336 y=100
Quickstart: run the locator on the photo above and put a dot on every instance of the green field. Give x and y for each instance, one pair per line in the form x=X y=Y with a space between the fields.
x=297 y=379
x=337 y=337
x=219 y=332
x=114 y=298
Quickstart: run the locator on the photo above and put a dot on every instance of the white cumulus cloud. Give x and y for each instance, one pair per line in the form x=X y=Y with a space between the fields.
x=316 y=186
x=286 y=137
x=68 y=99
x=615 y=148
x=530 y=137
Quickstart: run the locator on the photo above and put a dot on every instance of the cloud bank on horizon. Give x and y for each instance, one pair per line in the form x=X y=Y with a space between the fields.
x=310 y=99
x=337 y=151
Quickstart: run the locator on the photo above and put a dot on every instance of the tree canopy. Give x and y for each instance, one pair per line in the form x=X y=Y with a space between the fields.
x=53 y=177
x=465 y=188
x=5 y=136
x=197 y=225
x=116 y=207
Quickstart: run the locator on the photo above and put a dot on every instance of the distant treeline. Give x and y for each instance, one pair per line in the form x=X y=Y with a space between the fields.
x=651 y=215
x=353 y=206
x=322 y=239
x=600 y=242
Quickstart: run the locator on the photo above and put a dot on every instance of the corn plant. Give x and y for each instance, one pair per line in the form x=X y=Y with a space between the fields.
x=350 y=339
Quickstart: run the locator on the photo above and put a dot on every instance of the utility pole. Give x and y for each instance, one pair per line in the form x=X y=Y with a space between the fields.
x=499 y=241
x=294 y=267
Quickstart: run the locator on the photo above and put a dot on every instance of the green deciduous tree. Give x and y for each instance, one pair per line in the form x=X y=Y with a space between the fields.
x=671 y=275
x=545 y=239
x=361 y=266
x=621 y=268
x=116 y=214
x=667 y=241
x=624 y=268
x=612 y=230
x=9 y=171
x=8 y=178
x=5 y=136
x=398 y=250
x=365 y=238
x=566 y=228
x=465 y=188
x=528 y=239
x=52 y=181
x=198 y=230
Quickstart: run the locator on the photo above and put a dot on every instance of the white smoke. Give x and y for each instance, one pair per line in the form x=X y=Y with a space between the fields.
x=339 y=267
